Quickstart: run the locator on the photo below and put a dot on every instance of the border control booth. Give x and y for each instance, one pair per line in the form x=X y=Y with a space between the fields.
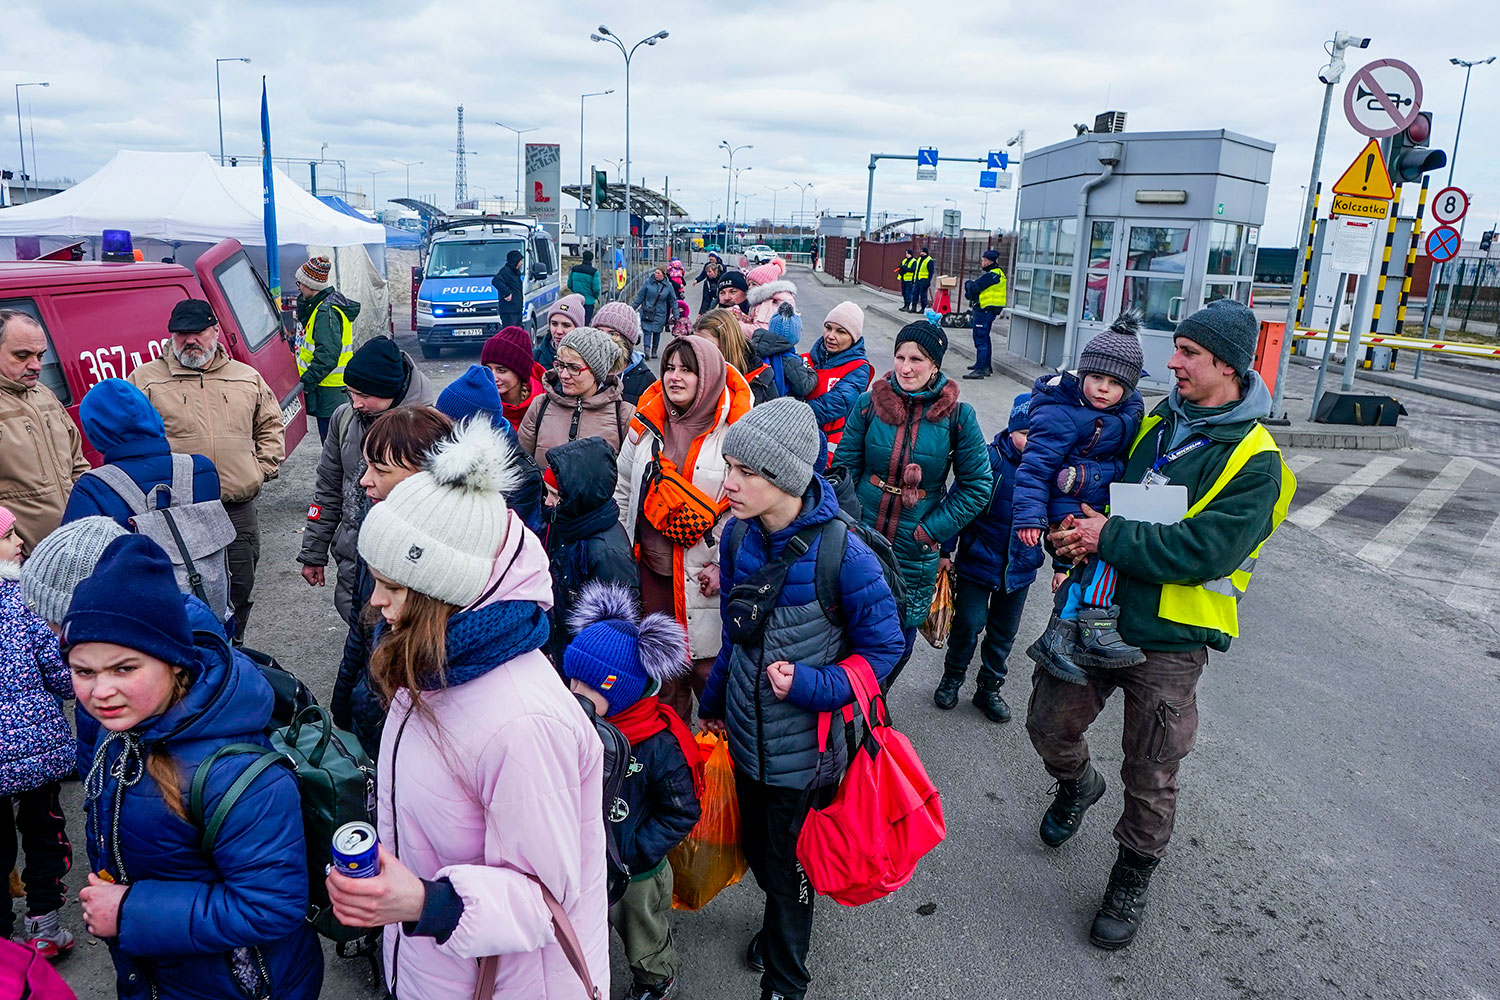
x=1164 y=222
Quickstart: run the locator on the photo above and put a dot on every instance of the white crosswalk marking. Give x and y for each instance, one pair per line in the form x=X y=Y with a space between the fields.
x=1386 y=547
x=1299 y=462
x=1475 y=590
x=1312 y=515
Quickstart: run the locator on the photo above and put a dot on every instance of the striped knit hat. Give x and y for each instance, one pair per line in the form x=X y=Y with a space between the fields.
x=316 y=273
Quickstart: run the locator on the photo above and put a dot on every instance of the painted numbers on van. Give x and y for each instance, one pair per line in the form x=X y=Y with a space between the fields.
x=114 y=362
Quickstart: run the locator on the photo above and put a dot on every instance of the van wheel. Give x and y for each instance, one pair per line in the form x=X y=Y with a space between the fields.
x=431 y=351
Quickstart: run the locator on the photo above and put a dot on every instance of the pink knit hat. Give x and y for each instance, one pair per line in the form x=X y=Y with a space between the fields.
x=849 y=316
x=7 y=521
x=766 y=273
x=569 y=306
x=620 y=317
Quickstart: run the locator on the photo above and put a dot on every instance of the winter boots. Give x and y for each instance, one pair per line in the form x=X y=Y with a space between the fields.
x=1052 y=651
x=1073 y=799
x=946 y=695
x=1119 y=916
x=988 y=701
x=1099 y=644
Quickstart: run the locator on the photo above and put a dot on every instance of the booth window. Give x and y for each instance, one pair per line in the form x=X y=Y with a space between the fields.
x=1155 y=266
x=1044 y=267
x=1096 y=278
x=1231 y=262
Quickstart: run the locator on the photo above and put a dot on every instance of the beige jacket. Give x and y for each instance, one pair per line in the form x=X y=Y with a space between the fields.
x=41 y=457
x=226 y=412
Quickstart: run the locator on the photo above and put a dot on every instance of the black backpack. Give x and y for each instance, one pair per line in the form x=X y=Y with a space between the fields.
x=616 y=764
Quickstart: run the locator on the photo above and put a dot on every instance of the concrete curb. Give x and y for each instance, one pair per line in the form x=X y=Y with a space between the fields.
x=1340 y=436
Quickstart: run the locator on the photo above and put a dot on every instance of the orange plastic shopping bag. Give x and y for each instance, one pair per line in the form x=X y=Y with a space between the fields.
x=709 y=860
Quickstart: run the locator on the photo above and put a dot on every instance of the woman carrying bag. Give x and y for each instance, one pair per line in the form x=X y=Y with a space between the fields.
x=671 y=496
x=900 y=443
x=492 y=844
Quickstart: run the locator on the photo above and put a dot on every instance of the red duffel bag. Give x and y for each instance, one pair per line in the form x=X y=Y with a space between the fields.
x=886 y=814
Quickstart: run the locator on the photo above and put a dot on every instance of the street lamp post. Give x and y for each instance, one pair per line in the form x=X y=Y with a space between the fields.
x=25 y=180
x=802 y=202
x=730 y=204
x=1468 y=65
x=745 y=215
x=606 y=35
x=774 y=191
x=597 y=93
x=373 y=174
x=519 y=132
x=219 y=98
x=408 y=166
x=955 y=205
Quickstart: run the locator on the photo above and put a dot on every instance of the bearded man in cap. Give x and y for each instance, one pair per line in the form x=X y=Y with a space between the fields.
x=215 y=406
x=379 y=376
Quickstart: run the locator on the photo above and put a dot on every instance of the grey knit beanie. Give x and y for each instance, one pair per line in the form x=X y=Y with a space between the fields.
x=1116 y=351
x=1227 y=329
x=596 y=349
x=61 y=561
x=779 y=439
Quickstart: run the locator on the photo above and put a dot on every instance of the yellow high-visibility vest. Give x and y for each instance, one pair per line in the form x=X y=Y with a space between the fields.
x=903 y=269
x=1215 y=603
x=993 y=296
x=346 y=347
x=923 y=267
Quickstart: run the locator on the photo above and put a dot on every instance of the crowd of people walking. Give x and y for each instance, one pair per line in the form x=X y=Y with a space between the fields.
x=586 y=546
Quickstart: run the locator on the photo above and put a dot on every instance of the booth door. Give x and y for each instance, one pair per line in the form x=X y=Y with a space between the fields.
x=1162 y=276
x=1103 y=276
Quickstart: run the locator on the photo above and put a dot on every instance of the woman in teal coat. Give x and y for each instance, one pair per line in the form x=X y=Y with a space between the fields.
x=901 y=440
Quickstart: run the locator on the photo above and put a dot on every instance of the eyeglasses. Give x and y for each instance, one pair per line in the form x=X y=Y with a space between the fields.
x=568 y=368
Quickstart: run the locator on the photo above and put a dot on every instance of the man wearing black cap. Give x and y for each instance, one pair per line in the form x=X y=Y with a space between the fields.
x=378 y=377
x=1178 y=586
x=220 y=408
x=986 y=294
x=734 y=292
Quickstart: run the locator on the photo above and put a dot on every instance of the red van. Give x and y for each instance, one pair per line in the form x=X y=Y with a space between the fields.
x=104 y=319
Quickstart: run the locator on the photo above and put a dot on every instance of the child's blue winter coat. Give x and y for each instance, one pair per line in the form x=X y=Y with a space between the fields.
x=1066 y=431
x=36 y=745
x=187 y=913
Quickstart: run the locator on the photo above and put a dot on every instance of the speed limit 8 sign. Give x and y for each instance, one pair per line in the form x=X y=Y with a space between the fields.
x=1450 y=205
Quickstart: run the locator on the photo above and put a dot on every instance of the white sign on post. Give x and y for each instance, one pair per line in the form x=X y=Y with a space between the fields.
x=1383 y=98
x=1353 y=241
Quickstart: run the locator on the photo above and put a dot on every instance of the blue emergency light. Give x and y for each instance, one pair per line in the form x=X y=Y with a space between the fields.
x=115 y=246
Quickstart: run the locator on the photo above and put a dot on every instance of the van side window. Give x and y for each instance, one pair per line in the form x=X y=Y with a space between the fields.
x=541 y=247
x=52 y=370
x=249 y=300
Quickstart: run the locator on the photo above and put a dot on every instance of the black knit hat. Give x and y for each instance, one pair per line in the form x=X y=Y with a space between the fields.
x=1116 y=351
x=1227 y=329
x=377 y=369
x=734 y=279
x=931 y=339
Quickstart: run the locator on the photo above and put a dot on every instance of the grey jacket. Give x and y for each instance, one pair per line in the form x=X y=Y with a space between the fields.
x=339 y=503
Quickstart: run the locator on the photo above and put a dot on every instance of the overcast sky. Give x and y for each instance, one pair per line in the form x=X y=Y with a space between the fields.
x=814 y=86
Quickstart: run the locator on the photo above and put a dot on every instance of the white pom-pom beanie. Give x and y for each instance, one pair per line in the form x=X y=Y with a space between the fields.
x=438 y=531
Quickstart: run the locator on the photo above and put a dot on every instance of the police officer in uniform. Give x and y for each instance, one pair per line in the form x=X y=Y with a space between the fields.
x=904 y=275
x=986 y=295
x=921 y=268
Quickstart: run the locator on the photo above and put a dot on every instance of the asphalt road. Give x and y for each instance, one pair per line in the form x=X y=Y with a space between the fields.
x=1338 y=827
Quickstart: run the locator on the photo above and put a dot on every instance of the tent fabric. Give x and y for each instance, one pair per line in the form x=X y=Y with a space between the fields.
x=186 y=197
x=396 y=238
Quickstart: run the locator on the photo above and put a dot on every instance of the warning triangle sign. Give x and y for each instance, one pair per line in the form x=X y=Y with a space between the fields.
x=1366 y=176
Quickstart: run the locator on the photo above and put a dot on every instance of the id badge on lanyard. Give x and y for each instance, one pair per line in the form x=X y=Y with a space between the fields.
x=1156 y=475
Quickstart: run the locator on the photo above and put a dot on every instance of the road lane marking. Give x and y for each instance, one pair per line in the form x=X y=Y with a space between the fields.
x=1312 y=515
x=1386 y=547
x=1299 y=462
x=1475 y=590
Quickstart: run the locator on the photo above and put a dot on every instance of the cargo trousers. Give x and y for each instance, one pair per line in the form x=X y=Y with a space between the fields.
x=1161 y=726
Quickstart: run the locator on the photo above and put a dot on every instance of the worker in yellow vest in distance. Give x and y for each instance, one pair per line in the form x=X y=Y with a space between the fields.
x=986 y=295
x=904 y=272
x=1178 y=589
x=327 y=340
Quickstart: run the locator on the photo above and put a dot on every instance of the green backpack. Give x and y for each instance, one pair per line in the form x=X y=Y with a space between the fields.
x=337 y=784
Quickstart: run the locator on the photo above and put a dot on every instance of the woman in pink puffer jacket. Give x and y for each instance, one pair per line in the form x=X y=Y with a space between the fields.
x=491 y=775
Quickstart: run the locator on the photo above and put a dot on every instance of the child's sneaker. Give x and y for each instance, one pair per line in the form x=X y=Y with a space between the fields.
x=46 y=936
x=1099 y=643
x=657 y=991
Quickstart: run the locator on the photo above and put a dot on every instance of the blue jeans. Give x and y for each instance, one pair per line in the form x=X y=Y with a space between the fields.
x=998 y=614
x=323 y=423
x=983 y=320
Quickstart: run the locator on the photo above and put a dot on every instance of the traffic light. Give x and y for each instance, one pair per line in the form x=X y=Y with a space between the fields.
x=1486 y=241
x=1410 y=157
x=601 y=188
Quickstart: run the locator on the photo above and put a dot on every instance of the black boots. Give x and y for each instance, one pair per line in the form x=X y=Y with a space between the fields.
x=1119 y=916
x=988 y=701
x=754 y=960
x=1053 y=651
x=1073 y=799
x=979 y=373
x=1099 y=644
x=946 y=695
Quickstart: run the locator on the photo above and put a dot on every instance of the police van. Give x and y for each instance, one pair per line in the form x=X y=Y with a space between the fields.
x=457 y=303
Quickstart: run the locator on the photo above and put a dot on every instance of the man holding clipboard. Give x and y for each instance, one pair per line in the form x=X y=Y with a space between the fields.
x=1204 y=488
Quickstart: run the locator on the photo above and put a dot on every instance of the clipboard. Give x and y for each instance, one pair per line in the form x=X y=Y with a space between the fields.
x=1158 y=504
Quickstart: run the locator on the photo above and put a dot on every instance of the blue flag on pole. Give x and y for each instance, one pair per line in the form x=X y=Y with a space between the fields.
x=273 y=266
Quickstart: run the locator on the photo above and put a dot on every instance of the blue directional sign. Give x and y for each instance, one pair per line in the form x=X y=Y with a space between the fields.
x=927 y=156
x=998 y=160
x=988 y=178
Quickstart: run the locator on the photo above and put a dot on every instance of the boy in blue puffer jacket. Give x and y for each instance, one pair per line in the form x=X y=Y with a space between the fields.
x=991 y=587
x=1081 y=428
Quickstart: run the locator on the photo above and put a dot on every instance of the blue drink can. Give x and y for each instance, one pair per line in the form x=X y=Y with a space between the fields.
x=356 y=850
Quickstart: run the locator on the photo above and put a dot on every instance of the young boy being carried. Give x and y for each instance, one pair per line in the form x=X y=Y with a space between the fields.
x=618 y=662
x=1081 y=428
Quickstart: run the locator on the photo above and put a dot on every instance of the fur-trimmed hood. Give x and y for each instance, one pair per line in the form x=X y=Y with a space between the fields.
x=760 y=293
x=894 y=405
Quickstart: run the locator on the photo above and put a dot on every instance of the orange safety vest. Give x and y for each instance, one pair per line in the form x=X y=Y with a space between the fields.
x=827 y=379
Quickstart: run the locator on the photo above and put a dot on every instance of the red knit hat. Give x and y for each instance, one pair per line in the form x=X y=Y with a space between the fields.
x=549 y=476
x=510 y=348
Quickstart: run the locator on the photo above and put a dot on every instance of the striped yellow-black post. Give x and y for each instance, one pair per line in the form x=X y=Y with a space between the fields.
x=1312 y=231
x=1385 y=266
x=1411 y=258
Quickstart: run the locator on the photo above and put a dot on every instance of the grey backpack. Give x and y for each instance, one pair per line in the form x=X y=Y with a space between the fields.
x=195 y=536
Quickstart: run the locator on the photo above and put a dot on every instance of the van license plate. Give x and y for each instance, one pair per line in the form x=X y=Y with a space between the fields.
x=468 y=331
